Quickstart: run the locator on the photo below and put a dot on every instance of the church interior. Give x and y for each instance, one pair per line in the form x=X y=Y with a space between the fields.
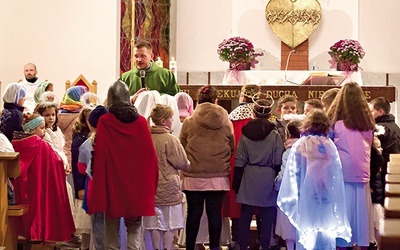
x=91 y=43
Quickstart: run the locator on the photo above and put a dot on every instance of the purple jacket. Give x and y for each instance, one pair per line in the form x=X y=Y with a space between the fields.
x=355 y=152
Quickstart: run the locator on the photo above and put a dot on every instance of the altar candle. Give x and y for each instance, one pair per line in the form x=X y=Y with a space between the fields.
x=173 y=67
x=159 y=62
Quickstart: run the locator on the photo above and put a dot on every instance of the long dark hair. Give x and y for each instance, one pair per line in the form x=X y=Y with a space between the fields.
x=316 y=123
x=350 y=105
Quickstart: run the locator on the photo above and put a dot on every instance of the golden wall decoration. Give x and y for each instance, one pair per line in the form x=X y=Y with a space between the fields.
x=293 y=21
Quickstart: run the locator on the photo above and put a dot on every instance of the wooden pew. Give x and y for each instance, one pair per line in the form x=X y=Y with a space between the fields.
x=392 y=178
x=392 y=207
x=394 y=157
x=394 y=164
x=13 y=212
x=392 y=190
x=393 y=170
x=389 y=231
x=9 y=168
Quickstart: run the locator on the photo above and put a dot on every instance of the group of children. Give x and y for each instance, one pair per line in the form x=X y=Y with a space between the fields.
x=331 y=168
x=26 y=130
x=308 y=178
x=42 y=182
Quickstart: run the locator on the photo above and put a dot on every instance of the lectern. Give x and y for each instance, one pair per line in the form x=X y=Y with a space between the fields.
x=9 y=168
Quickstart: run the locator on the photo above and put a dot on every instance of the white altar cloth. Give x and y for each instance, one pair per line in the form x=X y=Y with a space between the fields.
x=282 y=77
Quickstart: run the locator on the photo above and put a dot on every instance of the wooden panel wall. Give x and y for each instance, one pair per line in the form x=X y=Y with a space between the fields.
x=298 y=60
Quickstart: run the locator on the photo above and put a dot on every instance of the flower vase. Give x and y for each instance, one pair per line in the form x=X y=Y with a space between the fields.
x=346 y=66
x=338 y=66
x=235 y=75
x=239 y=66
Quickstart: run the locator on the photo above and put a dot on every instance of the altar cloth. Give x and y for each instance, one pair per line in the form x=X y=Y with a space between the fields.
x=282 y=77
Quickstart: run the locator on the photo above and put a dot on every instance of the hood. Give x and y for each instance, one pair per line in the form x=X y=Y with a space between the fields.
x=120 y=130
x=211 y=116
x=125 y=112
x=160 y=129
x=385 y=118
x=289 y=142
x=66 y=120
x=258 y=129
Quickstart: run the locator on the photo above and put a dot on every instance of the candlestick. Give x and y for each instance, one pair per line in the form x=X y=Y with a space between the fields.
x=159 y=62
x=173 y=67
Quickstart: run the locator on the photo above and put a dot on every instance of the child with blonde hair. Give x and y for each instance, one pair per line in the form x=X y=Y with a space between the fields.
x=171 y=158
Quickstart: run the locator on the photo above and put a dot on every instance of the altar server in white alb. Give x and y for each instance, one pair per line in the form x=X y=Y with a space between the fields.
x=30 y=82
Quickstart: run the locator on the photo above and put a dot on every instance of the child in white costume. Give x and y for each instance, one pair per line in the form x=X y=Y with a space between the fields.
x=146 y=101
x=312 y=190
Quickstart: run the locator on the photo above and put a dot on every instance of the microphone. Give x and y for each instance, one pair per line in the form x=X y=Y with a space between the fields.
x=142 y=73
x=287 y=64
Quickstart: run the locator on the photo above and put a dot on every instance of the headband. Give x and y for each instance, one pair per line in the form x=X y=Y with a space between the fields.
x=31 y=125
x=249 y=92
x=256 y=103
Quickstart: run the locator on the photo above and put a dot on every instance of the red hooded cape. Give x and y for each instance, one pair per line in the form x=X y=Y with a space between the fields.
x=230 y=208
x=42 y=185
x=125 y=169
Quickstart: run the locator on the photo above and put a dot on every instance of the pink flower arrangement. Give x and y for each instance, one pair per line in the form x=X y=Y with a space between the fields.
x=347 y=54
x=239 y=52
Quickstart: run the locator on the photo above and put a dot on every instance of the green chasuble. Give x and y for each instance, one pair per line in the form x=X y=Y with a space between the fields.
x=157 y=78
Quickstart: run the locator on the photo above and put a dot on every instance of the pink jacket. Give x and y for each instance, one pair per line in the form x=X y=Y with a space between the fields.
x=355 y=151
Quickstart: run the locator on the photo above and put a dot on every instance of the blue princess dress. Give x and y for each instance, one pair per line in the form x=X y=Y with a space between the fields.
x=312 y=193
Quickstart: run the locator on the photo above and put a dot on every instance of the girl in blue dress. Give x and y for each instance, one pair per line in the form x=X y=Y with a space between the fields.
x=312 y=190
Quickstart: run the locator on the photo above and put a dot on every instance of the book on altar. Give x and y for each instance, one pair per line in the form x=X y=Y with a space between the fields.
x=323 y=78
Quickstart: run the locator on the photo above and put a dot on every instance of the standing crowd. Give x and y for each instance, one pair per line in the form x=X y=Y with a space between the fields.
x=148 y=167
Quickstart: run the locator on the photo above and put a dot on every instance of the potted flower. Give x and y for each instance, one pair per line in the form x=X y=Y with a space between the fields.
x=347 y=54
x=239 y=52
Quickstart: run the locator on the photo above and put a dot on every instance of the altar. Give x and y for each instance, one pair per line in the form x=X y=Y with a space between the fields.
x=273 y=84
